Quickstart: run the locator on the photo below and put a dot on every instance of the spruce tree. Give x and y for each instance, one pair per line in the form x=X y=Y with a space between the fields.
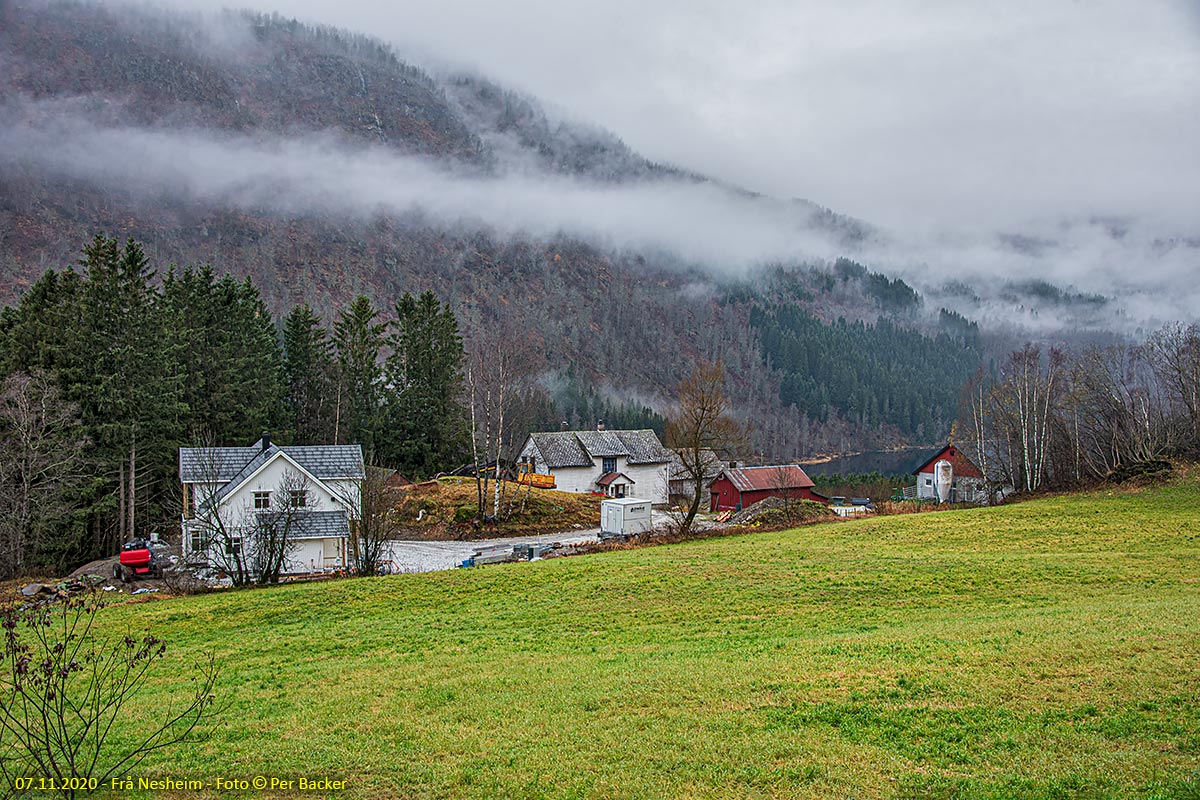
x=310 y=373
x=359 y=340
x=426 y=421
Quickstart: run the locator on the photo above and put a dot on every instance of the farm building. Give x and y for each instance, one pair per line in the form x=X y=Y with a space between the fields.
x=739 y=487
x=682 y=486
x=612 y=463
x=234 y=497
x=948 y=476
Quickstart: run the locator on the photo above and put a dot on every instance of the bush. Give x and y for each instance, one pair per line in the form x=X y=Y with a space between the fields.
x=63 y=689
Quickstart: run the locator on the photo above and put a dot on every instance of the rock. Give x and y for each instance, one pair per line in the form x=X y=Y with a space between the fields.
x=31 y=589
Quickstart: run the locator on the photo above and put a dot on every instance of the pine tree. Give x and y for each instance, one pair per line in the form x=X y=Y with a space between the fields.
x=227 y=355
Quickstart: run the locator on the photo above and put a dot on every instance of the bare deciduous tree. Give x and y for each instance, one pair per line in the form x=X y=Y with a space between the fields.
x=42 y=461
x=272 y=533
x=1174 y=353
x=377 y=522
x=699 y=426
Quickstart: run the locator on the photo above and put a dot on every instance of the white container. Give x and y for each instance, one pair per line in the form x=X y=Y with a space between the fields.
x=943 y=479
x=624 y=516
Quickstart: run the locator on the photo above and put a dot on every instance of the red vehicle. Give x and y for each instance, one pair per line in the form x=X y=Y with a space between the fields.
x=137 y=561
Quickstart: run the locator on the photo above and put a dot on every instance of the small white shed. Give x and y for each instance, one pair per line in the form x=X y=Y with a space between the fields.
x=624 y=516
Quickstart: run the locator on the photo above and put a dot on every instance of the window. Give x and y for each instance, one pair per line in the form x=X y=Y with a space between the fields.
x=262 y=500
x=189 y=501
x=298 y=498
x=610 y=465
x=196 y=542
x=233 y=545
x=929 y=481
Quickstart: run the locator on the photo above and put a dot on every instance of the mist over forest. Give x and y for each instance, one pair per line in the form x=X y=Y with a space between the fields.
x=323 y=163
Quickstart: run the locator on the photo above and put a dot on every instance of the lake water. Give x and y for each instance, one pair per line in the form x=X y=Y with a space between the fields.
x=888 y=462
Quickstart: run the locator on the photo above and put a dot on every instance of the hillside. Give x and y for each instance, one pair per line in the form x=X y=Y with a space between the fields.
x=151 y=125
x=1036 y=650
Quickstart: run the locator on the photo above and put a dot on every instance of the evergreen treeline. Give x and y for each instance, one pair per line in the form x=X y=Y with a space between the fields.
x=108 y=370
x=872 y=374
x=581 y=406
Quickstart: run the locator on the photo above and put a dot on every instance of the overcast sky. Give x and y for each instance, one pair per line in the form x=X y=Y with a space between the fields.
x=903 y=112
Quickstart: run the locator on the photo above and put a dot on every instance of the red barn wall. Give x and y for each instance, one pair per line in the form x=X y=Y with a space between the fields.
x=963 y=468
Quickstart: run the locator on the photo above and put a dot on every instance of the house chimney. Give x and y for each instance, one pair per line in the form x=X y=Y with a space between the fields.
x=266 y=441
x=600 y=425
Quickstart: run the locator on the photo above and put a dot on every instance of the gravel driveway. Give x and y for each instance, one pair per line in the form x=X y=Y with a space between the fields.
x=416 y=556
x=410 y=556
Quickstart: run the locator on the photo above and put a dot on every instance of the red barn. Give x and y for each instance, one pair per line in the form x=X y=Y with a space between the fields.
x=966 y=479
x=737 y=488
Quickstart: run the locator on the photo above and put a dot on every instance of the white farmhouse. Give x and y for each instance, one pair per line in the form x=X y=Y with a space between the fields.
x=233 y=497
x=612 y=463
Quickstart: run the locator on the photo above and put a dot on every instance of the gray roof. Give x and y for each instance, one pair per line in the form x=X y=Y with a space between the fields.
x=712 y=463
x=561 y=449
x=315 y=524
x=578 y=448
x=224 y=464
x=602 y=444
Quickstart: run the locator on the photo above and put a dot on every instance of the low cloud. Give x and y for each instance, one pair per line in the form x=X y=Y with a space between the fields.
x=1148 y=272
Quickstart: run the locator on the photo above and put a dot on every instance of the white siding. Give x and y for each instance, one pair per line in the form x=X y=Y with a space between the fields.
x=327 y=495
x=575 y=479
x=649 y=480
x=268 y=479
x=925 y=487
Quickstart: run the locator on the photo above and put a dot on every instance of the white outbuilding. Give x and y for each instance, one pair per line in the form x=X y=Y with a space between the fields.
x=625 y=516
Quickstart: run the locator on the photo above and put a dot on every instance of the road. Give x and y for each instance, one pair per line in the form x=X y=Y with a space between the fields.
x=415 y=556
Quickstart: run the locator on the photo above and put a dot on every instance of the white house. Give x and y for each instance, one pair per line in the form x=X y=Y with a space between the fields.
x=233 y=494
x=612 y=463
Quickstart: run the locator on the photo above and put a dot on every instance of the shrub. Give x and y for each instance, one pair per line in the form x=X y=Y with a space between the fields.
x=63 y=689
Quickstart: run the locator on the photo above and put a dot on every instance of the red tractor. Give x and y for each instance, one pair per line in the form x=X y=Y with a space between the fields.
x=138 y=560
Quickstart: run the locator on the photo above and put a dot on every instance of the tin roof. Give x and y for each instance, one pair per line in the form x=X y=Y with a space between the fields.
x=778 y=476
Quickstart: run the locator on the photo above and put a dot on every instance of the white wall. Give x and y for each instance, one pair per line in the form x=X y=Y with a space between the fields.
x=238 y=508
x=241 y=502
x=649 y=480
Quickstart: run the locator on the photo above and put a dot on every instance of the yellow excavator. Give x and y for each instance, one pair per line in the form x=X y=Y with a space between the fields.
x=526 y=476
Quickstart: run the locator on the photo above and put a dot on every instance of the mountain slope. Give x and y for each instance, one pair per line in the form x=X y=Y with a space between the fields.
x=157 y=126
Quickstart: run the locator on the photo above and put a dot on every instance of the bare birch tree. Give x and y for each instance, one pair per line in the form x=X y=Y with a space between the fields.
x=1174 y=353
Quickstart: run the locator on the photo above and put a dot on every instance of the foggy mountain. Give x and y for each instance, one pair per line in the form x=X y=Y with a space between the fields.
x=322 y=165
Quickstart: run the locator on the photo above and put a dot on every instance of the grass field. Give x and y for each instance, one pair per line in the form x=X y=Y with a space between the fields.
x=1046 y=649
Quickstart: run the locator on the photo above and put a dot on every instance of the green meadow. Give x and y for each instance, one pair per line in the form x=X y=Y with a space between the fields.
x=1037 y=650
